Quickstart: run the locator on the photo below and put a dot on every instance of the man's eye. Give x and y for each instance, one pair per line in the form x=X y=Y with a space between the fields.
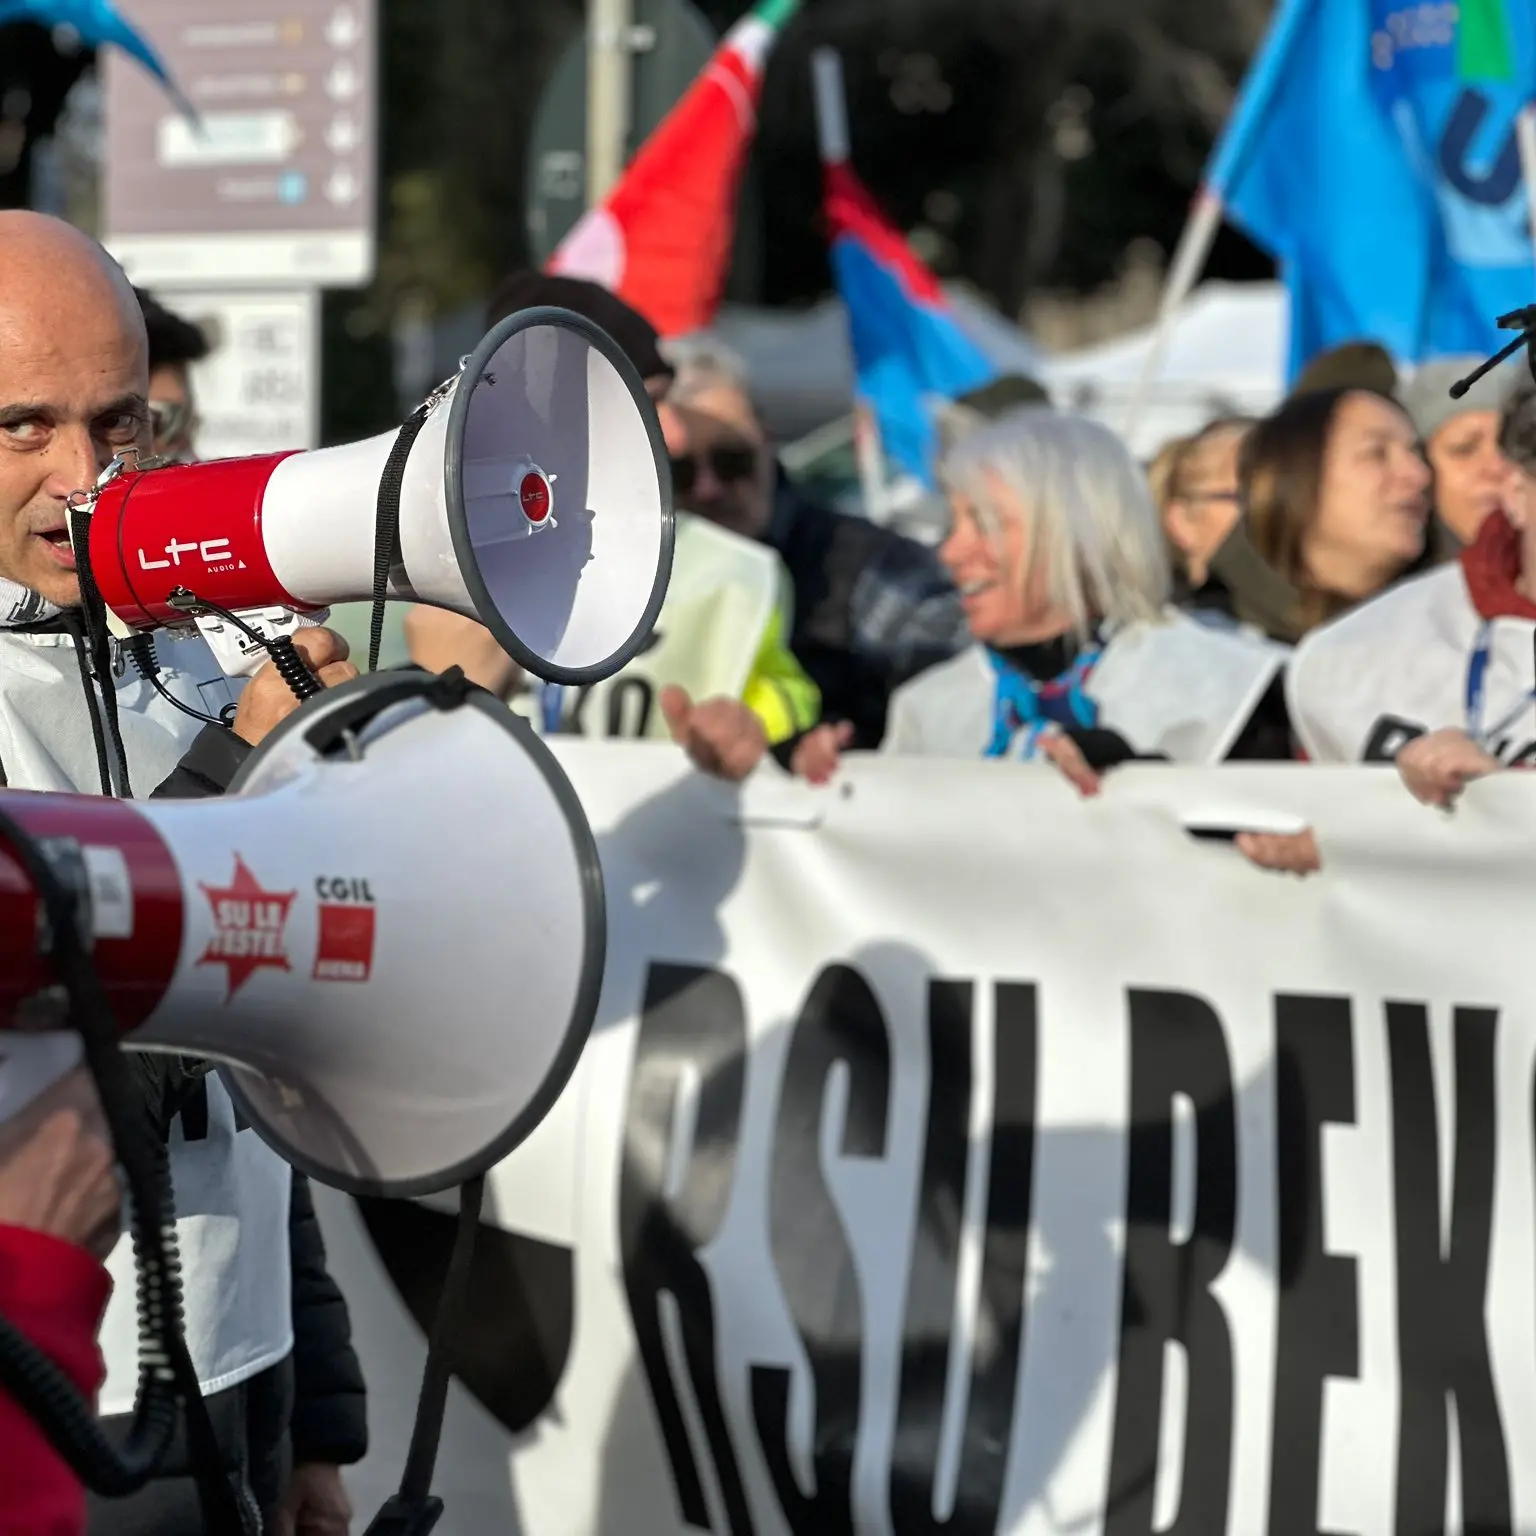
x=122 y=427
x=23 y=431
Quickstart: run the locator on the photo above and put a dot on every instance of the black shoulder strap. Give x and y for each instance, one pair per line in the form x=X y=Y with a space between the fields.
x=388 y=557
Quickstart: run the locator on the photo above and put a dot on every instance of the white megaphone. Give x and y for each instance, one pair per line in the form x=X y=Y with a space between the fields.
x=532 y=492
x=391 y=931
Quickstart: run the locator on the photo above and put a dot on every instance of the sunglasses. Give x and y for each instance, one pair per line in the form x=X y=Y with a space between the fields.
x=171 y=420
x=730 y=464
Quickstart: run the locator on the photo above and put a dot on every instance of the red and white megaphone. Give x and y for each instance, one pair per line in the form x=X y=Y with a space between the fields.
x=392 y=930
x=534 y=496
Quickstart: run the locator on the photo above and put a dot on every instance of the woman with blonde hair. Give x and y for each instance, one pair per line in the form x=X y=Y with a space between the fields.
x=1077 y=657
x=1194 y=483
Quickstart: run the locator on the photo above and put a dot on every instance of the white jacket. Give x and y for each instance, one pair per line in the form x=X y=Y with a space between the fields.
x=1397 y=667
x=232 y=1191
x=1177 y=689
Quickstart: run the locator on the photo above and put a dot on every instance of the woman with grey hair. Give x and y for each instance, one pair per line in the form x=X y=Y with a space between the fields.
x=1461 y=442
x=1077 y=658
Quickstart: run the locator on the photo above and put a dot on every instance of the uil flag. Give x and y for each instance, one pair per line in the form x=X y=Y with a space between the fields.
x=909 y=352
x=1374 y=151
x=661 y=239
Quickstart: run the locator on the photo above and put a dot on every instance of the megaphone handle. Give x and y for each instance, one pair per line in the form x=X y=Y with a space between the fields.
x=284 y=653
x=414 y=1511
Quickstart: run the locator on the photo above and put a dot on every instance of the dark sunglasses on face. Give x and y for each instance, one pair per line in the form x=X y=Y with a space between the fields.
x=730 y=463
x=171 y=421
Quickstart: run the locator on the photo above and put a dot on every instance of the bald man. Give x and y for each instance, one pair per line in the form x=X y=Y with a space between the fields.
x=74 y=382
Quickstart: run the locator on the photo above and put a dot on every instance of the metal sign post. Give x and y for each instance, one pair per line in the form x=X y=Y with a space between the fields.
x=667 y=43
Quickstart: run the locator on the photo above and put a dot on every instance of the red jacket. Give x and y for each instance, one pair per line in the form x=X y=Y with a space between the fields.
x=55 y=1293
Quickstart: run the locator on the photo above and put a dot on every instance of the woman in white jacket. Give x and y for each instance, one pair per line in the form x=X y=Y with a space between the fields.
x=1077 y=657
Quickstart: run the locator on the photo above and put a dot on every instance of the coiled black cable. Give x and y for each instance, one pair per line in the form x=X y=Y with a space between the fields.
x=29 y=1375
x=167 y=1378
x=284 y=653
x=292 y=669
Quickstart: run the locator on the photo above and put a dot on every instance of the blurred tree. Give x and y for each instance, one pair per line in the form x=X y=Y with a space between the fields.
x=1024 y=144
x=1027 y=142
x=37 y=71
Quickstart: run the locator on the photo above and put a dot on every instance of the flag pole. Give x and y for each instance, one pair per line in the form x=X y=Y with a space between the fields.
x=1189 y=257
x=836 y=149
x=609 y=24
x=1525 y=137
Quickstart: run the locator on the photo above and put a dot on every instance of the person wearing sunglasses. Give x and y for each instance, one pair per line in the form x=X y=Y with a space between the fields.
x=175 y=345
x=871 y=607
x=717 y=676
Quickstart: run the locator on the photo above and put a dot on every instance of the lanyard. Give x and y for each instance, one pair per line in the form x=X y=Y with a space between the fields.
x=1477 y=690
x=1021 y=704
x=551 y=700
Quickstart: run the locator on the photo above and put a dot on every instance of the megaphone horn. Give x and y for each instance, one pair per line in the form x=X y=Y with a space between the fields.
x=395 y=1012
x=535 y=496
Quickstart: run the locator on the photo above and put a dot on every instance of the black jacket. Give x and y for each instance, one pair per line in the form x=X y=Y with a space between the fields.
x=310 y=1407
x=872 y=608
x=330 y=1423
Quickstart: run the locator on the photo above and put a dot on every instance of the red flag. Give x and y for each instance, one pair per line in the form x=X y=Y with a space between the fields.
x=661 y=239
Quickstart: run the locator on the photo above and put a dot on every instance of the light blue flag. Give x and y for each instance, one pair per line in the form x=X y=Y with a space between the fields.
x=1372 y=151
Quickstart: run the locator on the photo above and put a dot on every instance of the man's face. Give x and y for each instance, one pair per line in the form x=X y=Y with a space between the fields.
x=73 y=393
x=722 y=468
x=172 y=413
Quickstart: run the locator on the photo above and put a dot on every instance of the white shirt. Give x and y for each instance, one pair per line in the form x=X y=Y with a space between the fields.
x=1177 y=689
x=232 y=1191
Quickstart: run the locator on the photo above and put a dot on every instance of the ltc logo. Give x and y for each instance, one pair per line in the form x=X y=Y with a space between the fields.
x=215 y=554
x=249 y=924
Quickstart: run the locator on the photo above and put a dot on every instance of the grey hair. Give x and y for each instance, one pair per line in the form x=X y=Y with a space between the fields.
x=1091 y=521
x=703 y=361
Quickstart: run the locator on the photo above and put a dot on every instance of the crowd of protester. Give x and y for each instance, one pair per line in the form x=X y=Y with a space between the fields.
x=1350 y=579
x=1341 y=580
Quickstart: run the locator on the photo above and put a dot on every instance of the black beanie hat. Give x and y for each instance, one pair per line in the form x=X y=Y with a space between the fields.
x=636 y=336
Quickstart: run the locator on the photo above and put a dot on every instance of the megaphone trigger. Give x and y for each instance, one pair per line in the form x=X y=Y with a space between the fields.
x=241 y=648
x=280 y=649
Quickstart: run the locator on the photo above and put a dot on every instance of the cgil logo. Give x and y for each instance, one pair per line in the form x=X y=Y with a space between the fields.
x=344 y=950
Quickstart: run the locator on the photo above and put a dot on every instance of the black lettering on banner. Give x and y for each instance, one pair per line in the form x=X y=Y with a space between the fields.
x=614 y=721
x=1177 y=1047
x=1388 y=737
x=840 y=1022
x=929 y=1321
x=1442 y=1288
x=1317 y=1336
x=626 y=721
x=693 y=1017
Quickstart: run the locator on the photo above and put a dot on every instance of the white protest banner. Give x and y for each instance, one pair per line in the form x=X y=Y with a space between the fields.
x=955 y=1154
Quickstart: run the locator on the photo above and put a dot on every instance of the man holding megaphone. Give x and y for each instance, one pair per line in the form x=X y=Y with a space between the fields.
x=73 y=398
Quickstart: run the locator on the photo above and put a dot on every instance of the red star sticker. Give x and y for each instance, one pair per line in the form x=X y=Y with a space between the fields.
x=249 y=924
